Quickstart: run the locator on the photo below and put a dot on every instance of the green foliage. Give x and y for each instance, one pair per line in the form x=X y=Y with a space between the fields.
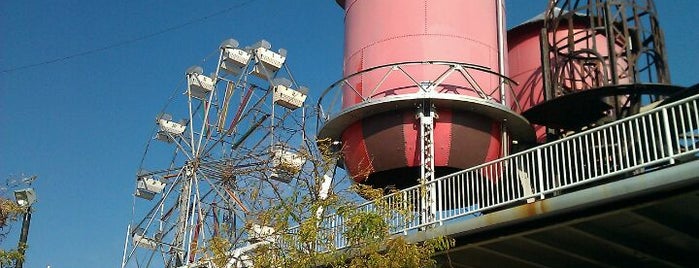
x=365 y=227
x=318 y=220
x=219 y=247
x=367 y=231
x=9 y=211
x=8 y=258
x=399 y=253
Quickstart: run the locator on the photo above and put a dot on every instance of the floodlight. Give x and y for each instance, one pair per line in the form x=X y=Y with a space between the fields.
x=25 y=197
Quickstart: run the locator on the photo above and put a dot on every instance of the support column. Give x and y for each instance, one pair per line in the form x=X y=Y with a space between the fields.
x=426 y=116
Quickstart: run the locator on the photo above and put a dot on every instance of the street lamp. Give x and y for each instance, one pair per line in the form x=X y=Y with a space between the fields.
x=25 y=198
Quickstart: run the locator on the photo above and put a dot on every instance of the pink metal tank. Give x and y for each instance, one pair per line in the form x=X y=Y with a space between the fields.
x=418 y=41
x=525 y=66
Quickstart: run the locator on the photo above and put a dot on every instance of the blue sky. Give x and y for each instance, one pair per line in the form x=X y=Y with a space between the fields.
x=81 y=124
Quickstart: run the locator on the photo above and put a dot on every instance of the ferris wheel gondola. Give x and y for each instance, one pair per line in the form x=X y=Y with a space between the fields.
x=232 y=155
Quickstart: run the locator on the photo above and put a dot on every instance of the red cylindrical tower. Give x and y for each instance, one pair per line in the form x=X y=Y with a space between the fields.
x=403 y=57
x=525 y=66
x=384 y=32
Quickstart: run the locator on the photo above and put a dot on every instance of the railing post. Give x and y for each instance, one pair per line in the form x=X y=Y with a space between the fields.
x=668 y=139
x=540 y=169
x=439 y=201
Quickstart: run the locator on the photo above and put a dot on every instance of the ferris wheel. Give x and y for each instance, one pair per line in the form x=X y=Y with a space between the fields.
x=221 y=151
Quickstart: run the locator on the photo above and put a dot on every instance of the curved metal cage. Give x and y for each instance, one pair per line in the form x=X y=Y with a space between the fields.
x=595 y=43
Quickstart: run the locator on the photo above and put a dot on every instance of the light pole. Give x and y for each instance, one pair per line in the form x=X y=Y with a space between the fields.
x=25 y=198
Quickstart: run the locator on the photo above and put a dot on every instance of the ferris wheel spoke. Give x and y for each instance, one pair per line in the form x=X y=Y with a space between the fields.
x=240 y=115
x=205 y=123
x=226 y=158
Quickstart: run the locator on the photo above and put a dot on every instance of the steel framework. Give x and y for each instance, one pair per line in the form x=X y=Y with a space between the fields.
x=638 y=144
x=234 y=154
x=428 y=95
x=593 y=44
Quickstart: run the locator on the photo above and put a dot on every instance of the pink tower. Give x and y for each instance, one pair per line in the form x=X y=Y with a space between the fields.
x=424 y=91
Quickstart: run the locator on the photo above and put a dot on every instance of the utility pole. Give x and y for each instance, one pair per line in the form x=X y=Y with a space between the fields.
x=22 y=245
x=25 y=198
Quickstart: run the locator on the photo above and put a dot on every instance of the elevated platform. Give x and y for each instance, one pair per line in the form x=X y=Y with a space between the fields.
x=619 y=195
x=573 y=111
x=516 y=124
x=647 y=220
x=416 y=90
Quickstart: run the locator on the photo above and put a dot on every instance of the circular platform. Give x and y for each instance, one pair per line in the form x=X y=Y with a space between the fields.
x=582 y=108
x=518 y=126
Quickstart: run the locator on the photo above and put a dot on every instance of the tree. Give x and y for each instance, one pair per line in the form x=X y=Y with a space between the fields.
x=9 y=212
x=302 y=229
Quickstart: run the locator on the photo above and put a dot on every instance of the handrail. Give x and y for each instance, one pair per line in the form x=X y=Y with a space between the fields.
x=634 y=145
x=451 y=67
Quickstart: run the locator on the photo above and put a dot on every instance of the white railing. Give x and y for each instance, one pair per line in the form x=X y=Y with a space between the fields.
x=634 y=145
x=411 y=73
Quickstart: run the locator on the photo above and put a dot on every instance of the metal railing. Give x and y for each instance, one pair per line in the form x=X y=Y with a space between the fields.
x=631 y=146
x=412 y=81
